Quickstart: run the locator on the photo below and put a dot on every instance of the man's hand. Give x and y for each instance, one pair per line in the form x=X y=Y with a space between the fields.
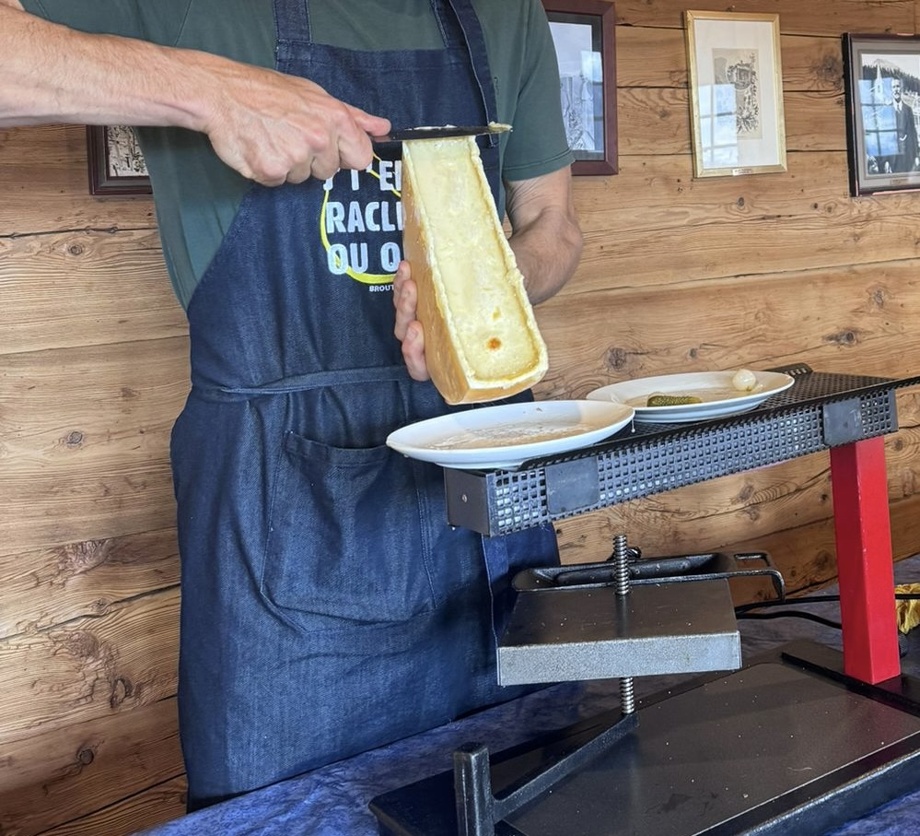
x=408 y=329
x=275 y=128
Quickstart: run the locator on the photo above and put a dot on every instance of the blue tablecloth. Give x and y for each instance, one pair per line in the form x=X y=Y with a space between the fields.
x=333 y=801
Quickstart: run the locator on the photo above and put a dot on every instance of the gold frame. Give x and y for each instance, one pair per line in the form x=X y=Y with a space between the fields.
x=737 y=123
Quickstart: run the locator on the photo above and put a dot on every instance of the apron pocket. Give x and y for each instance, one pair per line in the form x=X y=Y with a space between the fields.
x=346 y=536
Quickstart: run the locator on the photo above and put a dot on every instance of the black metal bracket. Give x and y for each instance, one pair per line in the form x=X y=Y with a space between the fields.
x=670 y=569
x=819 y=412
x=479 y=810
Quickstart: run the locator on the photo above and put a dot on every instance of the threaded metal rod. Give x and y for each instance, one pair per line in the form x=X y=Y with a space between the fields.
x=621 y=574
x=621 y=564
x=627 y=696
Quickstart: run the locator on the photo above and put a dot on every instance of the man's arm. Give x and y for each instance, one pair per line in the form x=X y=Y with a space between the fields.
x=268 y=126
x=546 y=241
x=545 y=235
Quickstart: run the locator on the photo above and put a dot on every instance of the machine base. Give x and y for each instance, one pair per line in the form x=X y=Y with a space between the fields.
x=787 y=744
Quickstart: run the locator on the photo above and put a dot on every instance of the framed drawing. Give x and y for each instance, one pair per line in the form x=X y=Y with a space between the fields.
x=584 y=33
x=882 y=75
x=116 y=164
x=736 y=93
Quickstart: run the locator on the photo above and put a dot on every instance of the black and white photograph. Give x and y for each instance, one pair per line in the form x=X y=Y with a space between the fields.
x=883 y=105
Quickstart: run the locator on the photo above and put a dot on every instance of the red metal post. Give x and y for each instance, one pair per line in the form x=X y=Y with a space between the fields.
x=864 y=561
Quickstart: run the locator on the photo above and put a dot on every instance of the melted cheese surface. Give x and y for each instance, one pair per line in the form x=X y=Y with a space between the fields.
x=483 y=288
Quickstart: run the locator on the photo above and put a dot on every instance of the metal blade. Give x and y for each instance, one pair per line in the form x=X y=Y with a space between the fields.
x=441 y=132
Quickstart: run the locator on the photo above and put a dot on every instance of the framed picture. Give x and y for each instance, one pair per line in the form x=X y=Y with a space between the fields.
x=736 y=93
x=116 y=164
x=584 y=33
x=882 y=74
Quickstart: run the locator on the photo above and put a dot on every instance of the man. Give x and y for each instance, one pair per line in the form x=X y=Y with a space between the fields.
x=326 y=606
x=907 y=157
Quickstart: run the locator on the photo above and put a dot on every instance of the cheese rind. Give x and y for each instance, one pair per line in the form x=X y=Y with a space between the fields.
x=482 y=342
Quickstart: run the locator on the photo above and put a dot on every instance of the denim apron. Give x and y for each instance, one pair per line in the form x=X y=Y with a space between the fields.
x=327 y=607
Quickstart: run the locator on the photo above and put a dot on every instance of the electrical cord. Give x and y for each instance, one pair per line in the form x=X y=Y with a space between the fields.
x=809 y=616
x=746 y=610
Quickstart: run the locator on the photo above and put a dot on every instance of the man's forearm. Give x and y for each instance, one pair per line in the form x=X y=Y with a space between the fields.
x=53 y=74
x=269 y=126
x=547 y=253
x=546 y=238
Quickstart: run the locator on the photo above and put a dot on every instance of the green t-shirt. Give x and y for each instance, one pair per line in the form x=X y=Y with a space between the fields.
x=197 y=196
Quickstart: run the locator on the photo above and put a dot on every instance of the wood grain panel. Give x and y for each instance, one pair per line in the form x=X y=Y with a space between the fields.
x=814 y=187
x=855 y=320
x=657 y=121
x=151 y=807
x=809 y=63
x=90 y=668
x=94 y=370
x=53 y=586
x=825 y=18
x=688 y=230
x=74 y=777
x=84 y=440
x=85 y=288
x=45 y=186
x=807 y=559
x=47 y=513
x=65 y=406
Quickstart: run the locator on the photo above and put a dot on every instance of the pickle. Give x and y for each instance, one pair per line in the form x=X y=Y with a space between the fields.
x=671 y=400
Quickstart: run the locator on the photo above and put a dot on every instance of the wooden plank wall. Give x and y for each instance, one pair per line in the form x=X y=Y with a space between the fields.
x=92 y=373
x=678 y=275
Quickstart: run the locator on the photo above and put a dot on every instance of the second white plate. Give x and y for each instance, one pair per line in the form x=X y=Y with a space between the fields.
x=507 y=435
x=719 y=398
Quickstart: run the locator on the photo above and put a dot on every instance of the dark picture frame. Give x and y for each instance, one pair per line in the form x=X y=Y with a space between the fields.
x=882 y=139
x=584 y=35
x=116 y=164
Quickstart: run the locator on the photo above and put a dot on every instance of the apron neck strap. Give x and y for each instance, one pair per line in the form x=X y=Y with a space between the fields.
x=476 y=45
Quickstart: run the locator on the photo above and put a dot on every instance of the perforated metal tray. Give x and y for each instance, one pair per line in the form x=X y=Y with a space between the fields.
x=819 y=411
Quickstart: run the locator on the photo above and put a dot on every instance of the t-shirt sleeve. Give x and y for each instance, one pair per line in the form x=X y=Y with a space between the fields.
x=538 y=144
x=159 y=21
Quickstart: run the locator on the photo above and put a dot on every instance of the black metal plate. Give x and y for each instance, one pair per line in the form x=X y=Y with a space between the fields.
x=771 y=749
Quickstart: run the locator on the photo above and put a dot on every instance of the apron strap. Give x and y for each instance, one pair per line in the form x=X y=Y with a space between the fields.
x=303 y=382
x=292 y=21
x=476 y=44
x=449 y=24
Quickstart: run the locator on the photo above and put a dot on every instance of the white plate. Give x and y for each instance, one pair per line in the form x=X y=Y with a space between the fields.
x=505 y=436
x=715 y=389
